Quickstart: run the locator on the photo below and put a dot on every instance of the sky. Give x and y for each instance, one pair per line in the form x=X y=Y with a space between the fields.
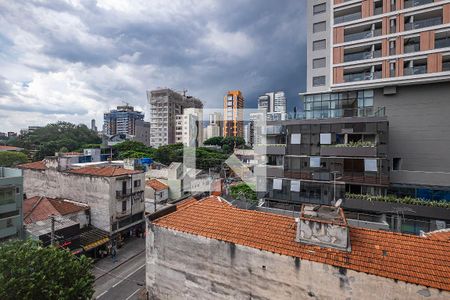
x=73 y=60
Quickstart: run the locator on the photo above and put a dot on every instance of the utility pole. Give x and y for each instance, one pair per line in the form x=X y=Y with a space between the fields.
x=52 y=236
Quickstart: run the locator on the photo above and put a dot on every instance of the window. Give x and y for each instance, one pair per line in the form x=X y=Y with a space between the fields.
x=319 y=8
x=318 y=80
x=277 y=184
x=319 y=63
x=295 y=186
x=296 y=138
x=137 y=183
x=325 y=138
x=319 y=45
x=124 y=206
x=370 y=165
x=7 y=196
x=314 y=162
x=396 y=163
x=319 y=27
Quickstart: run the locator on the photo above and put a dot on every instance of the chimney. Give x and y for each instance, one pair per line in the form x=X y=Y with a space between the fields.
x=324 y=226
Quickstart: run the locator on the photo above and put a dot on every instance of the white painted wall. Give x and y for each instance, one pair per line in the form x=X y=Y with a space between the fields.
x=184 y=266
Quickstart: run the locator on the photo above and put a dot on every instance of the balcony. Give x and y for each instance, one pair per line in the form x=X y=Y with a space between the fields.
x=347 y=18
x=362 y=76
x=348 y=151
x=275 y=149
x=417 y=70
x=269 y=171
x=423 y=23
x=362 y=35
x=123 y=214
x=123 y=193
x=378 y=11
x=413 y=3
x=442 y=43
x=446 y=66
x=412 y=48
x=362 y=55
x=365 y=178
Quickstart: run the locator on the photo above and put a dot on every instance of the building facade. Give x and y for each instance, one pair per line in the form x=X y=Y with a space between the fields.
x=214 y=128
x=121 y=120
x=274 y=103
x=11 y=203
x=233 y=115
x=189 y=127
x=165 y=105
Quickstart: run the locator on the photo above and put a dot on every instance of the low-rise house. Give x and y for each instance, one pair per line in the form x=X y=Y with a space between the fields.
x=156 y=190
x=210 y=250
x=114 y=194
x=41 y=208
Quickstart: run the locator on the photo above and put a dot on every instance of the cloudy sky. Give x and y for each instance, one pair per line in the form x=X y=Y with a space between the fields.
x=74 y=59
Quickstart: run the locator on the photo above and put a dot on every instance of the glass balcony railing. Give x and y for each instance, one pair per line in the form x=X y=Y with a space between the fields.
x=412 y=48
x=442 y=43
x=417 y=70
x=378 y=11
x=412 y=3
x=338 y=113
x=347 y=18
x=362 y=76
x=362 y=35
x=423 y=23
x=362 y=55
x=446 y=66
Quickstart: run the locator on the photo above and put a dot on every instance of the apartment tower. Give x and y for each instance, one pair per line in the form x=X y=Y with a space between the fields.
x=233 y=123
x=121 y=120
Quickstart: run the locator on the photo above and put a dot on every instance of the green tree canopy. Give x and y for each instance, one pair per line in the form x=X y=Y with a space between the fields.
x=29 y=271
x=227 y=143
x=51 y=138
x=243 y=191
x=132 y=149
x=12 y=158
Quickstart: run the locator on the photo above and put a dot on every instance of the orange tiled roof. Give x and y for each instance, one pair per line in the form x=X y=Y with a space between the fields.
x=41 y=208
x=36 y=165
x=157 y=185
x=9 y=148
x=106 y=171
x=413 y=259
x=439 y=235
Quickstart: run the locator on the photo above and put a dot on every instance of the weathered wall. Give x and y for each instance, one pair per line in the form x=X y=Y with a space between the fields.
x=183 y=266
x=95 y=191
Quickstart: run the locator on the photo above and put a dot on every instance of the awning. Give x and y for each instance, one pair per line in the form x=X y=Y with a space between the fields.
x=93 y=238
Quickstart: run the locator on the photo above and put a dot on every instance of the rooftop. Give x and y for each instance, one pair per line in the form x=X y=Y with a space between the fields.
x=44 y=227
x=413 y=259
x=41 y=208
x=10 y=148
x=157 y=185
x=36 y=165
x=104 y=171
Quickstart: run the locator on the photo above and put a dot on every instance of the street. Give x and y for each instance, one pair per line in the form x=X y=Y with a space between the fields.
x=125 y=282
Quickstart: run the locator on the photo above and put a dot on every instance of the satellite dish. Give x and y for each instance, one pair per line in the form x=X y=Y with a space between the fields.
x=338 y=203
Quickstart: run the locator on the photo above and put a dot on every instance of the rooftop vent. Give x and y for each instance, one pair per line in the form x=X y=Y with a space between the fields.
x=323 y=226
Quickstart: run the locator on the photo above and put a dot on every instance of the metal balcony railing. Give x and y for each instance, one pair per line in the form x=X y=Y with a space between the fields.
x=417 y=70
x=362 y=76
x=347 y=18
x=123 y=193
x=423 y=23
x=412 y=3
x=361 y=35
x=362 y=55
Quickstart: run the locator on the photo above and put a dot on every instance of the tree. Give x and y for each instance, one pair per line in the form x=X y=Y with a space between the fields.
x=216 y=140
x=227 y=143
x=30 y=271
x=132 y=149
x=243 y=191
x=12 y=158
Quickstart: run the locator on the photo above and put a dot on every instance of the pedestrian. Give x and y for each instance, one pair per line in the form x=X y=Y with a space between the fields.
x=113 y=253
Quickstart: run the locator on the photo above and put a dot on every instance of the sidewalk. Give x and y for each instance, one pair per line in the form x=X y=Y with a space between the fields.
x=133 y=247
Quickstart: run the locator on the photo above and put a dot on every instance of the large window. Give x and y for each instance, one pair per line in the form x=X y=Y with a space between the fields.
x=319 y=45
x=7 y=196
x=319 y=8
x=319 y=27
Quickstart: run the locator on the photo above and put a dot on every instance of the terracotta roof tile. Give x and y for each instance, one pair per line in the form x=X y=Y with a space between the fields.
x=41 y=208
x=36 y=165
x=10 y=148
x=413 y=259
x=105 y=171
x=157 y=185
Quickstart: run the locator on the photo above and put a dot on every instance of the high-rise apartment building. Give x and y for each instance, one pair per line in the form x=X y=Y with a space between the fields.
x=214 y=127
x=233 y=114
x=11 y=200
x=274 y=103
x=121 y=120
x=165 y=105
x=189 y=129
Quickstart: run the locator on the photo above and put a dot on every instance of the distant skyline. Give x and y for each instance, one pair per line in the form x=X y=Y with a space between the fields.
x=74 y=60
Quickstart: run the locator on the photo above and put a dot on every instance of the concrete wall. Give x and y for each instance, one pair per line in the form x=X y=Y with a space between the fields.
x=97 y=192
x=419 y=130
x=160 y=195
x=183 y=266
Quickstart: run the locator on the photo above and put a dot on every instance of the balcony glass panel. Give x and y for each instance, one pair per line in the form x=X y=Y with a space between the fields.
x=412 y=3
x=362 y=55
x=442 y=43
x=362 y=35
x=423 y=23
x=412 y=48
x=446 y=66
x=347 y=18
x=417 y=70
x=362 y=76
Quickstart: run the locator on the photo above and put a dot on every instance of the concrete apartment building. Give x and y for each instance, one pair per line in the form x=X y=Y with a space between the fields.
x=189 y=127
x=274 y=103
x=233 y=114
x=11 y=203
x=115 y=195
x=165 y=105
x=244 y=254
x=214 y=128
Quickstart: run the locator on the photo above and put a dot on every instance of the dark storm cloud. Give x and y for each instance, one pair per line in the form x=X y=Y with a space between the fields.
x=181 y=49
